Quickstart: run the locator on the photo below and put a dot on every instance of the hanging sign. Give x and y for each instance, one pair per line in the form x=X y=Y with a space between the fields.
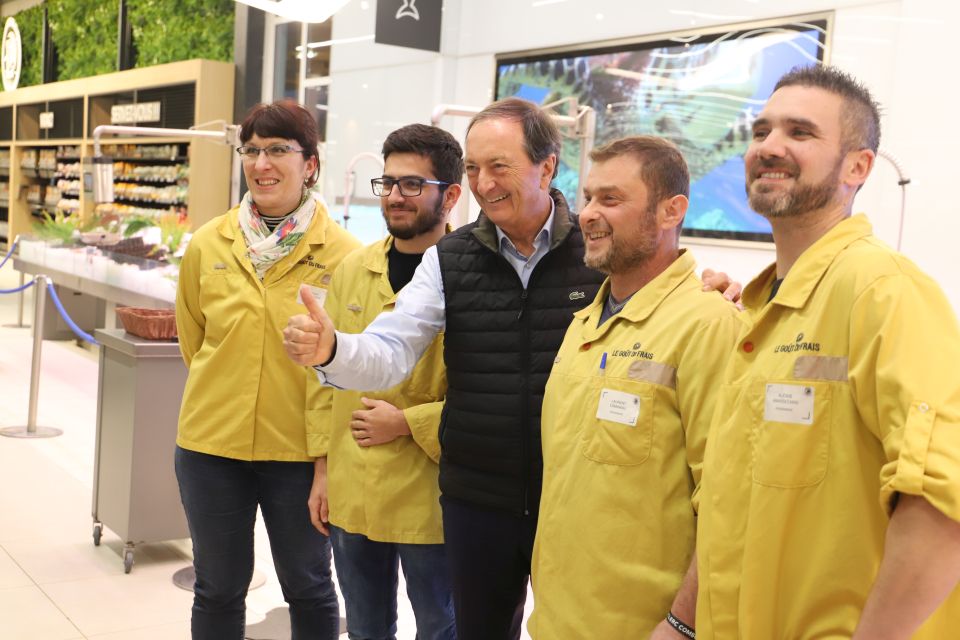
x=46 y=120
x=135 y=113
x=11 y=55
x=409 y=23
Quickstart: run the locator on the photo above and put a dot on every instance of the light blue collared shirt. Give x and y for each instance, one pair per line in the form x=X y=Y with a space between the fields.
x=389 y=348
x=522 y=264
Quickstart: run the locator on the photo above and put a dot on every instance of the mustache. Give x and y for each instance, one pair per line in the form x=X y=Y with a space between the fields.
x=593 y=227
x=768 y=164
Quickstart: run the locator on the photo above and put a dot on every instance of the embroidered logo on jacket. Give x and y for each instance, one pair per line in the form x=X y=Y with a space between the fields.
x=577 y=295
x=310 y=263
x=798 y=345
x=635 y=352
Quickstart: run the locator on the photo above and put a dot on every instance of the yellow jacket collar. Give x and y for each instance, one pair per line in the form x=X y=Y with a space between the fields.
x=804 y=275
x=375 y=260
x=375 y=255
x=648 y=298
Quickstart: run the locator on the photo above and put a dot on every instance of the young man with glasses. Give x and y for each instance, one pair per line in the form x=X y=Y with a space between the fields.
x=375 y=488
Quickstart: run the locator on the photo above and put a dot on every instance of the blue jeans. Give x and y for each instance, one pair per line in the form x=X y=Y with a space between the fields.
x=367 y=572
x=220 y=497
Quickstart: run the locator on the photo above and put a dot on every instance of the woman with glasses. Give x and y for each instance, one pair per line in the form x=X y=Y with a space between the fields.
x=242 y=441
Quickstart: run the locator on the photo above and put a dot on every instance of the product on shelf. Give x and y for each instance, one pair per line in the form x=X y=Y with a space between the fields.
x=68 y=187
x=171 y=194
x=149 y=173
x=68 y=152
x=143 y=152
x=68 y=169
x=51 y=196
x=4 y=158
x=134 y=247
x=68 y=205
x=47 y=159
x=29 y=159
x=35 y=193
x=123 y=210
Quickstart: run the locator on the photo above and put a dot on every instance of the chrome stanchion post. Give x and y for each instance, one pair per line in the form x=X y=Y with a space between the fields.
x=20 y=297
x=31 y=430
x=20 y=294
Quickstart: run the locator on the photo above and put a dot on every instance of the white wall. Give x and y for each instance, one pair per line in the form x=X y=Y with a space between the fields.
x=900 y=49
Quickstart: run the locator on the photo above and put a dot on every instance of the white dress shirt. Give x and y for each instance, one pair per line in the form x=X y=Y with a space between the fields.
x=389 y=348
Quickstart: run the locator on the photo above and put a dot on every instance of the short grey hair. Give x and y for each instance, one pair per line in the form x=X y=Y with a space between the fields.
x=541 y=137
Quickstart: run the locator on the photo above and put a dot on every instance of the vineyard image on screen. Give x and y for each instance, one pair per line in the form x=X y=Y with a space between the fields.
x=700 y=92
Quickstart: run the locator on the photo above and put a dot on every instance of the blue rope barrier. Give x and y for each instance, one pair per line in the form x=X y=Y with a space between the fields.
x=10 y=253
x=70 y=323
x=19 y=289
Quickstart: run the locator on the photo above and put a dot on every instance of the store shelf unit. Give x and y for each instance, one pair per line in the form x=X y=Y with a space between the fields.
x=42 y=162
x=47 y=176
x=149 y=179
x=6 y=139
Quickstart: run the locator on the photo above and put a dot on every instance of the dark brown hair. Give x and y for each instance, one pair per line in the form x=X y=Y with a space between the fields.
x=662 y=168
x=288 y=120
x=439 y=146
x=540 y=134
x=860 y=115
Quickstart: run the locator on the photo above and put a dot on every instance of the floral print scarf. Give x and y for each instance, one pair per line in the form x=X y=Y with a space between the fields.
x=266 y=248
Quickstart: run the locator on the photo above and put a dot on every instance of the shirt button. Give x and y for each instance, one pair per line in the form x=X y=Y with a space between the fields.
x=923 y=407
x=748 y=347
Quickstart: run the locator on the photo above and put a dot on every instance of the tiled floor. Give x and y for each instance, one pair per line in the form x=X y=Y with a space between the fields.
x=54 y=583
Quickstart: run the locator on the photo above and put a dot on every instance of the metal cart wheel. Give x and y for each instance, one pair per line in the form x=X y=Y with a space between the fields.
x=127 y=559
x=97 y=533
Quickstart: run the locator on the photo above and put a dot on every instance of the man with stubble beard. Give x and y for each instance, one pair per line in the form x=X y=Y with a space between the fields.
x=626 y=412
x=830 y=499
x=375 y=488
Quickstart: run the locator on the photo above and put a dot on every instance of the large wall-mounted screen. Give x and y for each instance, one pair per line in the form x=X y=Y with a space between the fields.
x=701 y=92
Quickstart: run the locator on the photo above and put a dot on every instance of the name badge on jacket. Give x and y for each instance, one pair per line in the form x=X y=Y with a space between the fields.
x=790 y=403
x=319 y=294
x=617 y=406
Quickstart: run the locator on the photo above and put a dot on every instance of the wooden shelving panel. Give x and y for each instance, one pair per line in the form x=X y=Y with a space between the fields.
x=192 y=92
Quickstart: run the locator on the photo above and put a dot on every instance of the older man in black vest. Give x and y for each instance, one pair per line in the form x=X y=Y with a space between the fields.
x=503 y=290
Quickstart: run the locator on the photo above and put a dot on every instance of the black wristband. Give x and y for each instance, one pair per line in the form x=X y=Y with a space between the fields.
x=333 y=354
x=681 y=628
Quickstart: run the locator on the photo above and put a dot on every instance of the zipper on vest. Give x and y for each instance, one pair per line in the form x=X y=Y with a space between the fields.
x=525 y=444
x=523 y=304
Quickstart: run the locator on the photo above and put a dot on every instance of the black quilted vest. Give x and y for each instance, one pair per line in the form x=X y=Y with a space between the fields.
x=499 y=347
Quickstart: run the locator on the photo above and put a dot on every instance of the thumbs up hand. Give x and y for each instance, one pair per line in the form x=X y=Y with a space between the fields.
x=309 y=339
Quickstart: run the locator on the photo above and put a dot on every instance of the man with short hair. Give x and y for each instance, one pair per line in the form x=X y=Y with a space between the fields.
x=626 y=411
x=375 y=477
x=830 y=501
x=503 y=290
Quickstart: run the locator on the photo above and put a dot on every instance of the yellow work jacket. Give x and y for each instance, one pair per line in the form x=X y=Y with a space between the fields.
x=388 y=492
x=617 y=527
x=244 y=397
x=841 y=394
